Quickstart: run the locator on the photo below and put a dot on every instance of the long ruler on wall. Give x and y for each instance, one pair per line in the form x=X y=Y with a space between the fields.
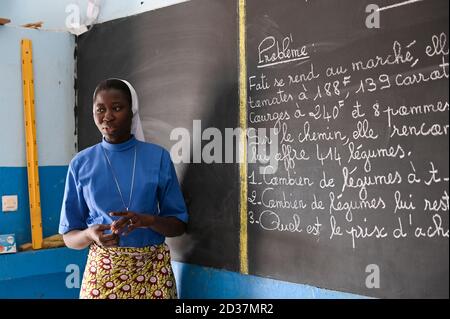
x=31 y=145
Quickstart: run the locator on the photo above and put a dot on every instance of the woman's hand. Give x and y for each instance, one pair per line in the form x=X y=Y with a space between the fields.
x=129 y=221
x=96 y=234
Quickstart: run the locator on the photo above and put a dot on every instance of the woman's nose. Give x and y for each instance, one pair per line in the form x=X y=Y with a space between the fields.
x=108 y=116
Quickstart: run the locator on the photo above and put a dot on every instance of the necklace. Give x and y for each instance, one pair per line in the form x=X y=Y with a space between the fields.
x=117 y=183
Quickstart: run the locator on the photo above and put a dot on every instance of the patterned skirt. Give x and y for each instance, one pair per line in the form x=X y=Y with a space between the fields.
x=124 y=273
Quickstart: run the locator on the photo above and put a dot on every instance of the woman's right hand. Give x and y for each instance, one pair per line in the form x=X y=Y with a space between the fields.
x=97 y=235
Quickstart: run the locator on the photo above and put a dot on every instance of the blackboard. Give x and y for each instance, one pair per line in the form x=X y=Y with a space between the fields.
x=182 y=60
x=359 y=200
x=362 y=153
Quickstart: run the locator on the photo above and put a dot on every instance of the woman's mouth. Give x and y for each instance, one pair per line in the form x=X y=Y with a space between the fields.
x=108 y=128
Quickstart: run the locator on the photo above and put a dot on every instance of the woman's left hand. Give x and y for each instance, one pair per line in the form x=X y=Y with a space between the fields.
x=129 y=222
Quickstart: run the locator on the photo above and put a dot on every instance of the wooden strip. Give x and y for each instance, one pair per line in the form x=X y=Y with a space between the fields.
x=33 y=25
x=243 y=242
x=4 y=21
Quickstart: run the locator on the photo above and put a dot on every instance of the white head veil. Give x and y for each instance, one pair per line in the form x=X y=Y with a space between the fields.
x=136 y=125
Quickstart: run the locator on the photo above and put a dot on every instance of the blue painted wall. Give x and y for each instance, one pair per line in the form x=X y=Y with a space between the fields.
x=39 y=274
x=53 y=66
x=48 y=280
x=13 y=180
x=54 y=71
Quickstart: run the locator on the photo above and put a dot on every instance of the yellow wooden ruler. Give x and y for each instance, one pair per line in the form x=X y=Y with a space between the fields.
x=31 y=145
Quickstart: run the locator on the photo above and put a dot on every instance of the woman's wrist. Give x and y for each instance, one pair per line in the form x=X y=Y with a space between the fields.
x=149 y=220
x=88 y=235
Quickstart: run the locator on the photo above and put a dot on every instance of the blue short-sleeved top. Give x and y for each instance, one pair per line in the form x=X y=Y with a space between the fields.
x=91 y=192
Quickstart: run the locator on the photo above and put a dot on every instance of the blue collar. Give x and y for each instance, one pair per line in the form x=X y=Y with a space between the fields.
x=121 y=146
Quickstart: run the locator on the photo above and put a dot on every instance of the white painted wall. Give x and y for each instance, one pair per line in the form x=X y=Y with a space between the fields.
x=113 y=9
x=53 y=12
x=53 y=56
x=53 y=62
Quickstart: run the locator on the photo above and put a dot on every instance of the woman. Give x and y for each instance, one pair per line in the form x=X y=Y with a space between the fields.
x=122 y=198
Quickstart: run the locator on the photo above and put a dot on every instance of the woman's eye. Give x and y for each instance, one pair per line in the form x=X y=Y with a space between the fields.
x=100 y=110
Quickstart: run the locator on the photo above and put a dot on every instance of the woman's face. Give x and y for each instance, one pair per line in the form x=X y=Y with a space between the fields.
x=113 y=115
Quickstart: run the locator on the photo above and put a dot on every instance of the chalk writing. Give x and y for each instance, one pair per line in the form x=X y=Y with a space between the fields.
x=355 y=164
